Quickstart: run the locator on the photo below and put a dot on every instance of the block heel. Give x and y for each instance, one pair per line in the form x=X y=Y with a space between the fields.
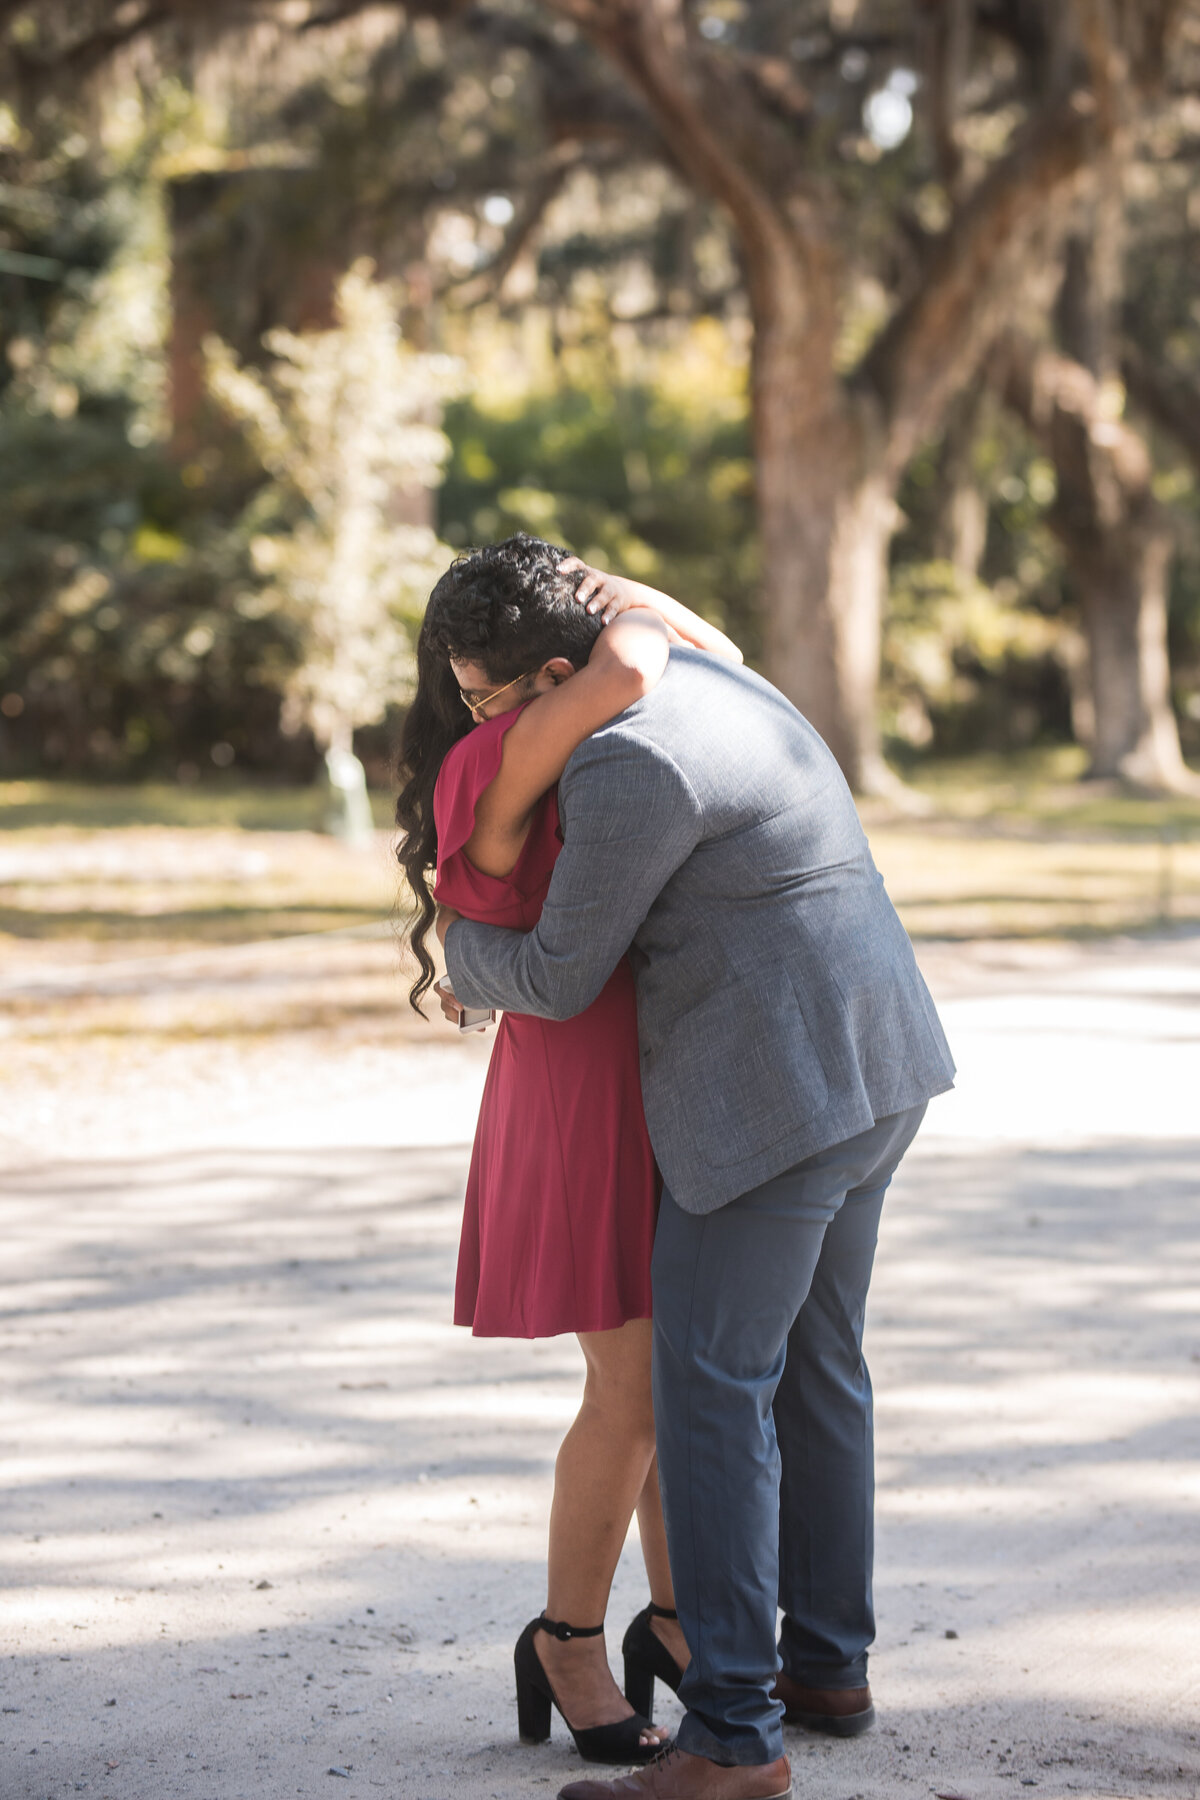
x=639 y=1687
x=617 y=1744
x=533 y=1709
x=648 y=1660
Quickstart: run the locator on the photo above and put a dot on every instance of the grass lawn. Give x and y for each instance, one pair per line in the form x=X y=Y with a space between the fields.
x=232 y=803
x=1007 y=848
x=1021 y=846
x=1043 y=790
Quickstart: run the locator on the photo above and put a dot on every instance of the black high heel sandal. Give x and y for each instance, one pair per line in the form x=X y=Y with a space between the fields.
x=616 y=1744
x=647 y=1659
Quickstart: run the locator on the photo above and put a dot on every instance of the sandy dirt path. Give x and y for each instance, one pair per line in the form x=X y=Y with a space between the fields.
x=272 y=1524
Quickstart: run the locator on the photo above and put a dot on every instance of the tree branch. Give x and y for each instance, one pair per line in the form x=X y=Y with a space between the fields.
x=334 y=15
x=97 y=45
x=946 y=30
x=545 y=185
x=90 y=47
x=1105 y=470
x=591 y=16
x=939 y=334
x=727 y=144
x=775 y=83
x=701 y=100
x=578 y=102
x=1166 y=396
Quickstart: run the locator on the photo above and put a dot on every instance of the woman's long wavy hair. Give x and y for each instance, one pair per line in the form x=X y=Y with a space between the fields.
x=506 y=608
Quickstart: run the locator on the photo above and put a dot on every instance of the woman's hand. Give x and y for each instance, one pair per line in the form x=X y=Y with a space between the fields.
x=451 y=1009
x=611 y=595
x=602 y=593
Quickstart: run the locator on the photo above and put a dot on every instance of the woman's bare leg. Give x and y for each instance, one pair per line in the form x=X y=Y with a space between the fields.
x=601 y=1471
x=653 y=1534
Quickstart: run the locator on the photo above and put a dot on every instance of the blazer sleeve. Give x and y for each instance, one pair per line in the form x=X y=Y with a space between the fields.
x=629 y=819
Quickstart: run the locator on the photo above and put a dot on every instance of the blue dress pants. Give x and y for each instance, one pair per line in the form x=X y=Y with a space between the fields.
x=762 y=1407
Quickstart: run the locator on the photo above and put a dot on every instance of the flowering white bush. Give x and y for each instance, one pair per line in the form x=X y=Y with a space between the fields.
x=344 y=422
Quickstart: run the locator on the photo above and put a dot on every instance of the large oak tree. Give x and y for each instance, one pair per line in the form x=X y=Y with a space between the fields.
x=761 y=108
x=831 y=443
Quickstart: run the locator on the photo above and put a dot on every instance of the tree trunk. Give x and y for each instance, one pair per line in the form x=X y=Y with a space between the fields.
x=349 y=805
x=1118 y=545
x=1122 y=557
x=826 y=513
x=1123 y=583
x=825 y=524
x=830 y=450
x=960 y=535
x=1117 y=536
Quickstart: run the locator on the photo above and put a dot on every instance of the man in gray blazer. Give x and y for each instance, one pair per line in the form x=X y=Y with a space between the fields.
x=789 y=1047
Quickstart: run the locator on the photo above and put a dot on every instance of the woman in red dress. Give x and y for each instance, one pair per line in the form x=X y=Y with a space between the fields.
x=562 y=1194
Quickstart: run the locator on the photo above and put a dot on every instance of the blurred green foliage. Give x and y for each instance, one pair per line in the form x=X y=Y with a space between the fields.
x=126 y=645
x=651 y=476
x=978 y=658
x=124 y=633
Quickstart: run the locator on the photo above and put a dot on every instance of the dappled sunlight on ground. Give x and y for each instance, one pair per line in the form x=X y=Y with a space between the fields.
x=271 y=1514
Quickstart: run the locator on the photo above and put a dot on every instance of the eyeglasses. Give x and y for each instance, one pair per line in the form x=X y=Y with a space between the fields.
x=482 y=700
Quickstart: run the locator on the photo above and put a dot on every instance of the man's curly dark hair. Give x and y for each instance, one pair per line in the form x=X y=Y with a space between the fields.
x=508 y=608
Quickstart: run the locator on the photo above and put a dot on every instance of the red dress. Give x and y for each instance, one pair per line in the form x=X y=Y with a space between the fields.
x=563 y=1190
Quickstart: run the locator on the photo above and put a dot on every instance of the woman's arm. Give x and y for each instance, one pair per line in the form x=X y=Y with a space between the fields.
x=627 y=659
x=612 y=595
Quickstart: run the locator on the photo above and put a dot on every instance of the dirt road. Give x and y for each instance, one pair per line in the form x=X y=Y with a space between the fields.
x=273 y=1524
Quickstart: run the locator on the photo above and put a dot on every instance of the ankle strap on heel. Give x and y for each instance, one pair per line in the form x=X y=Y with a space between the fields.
x=661 y=1612
x=557 y=1628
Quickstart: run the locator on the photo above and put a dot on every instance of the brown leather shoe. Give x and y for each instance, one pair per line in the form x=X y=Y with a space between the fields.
x=842 y=1712
x=676 y=1775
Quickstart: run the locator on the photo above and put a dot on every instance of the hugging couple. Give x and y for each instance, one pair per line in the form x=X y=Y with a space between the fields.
x=716 y=1047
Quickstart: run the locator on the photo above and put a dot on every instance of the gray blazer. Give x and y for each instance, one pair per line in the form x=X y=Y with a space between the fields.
x=708 y=831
